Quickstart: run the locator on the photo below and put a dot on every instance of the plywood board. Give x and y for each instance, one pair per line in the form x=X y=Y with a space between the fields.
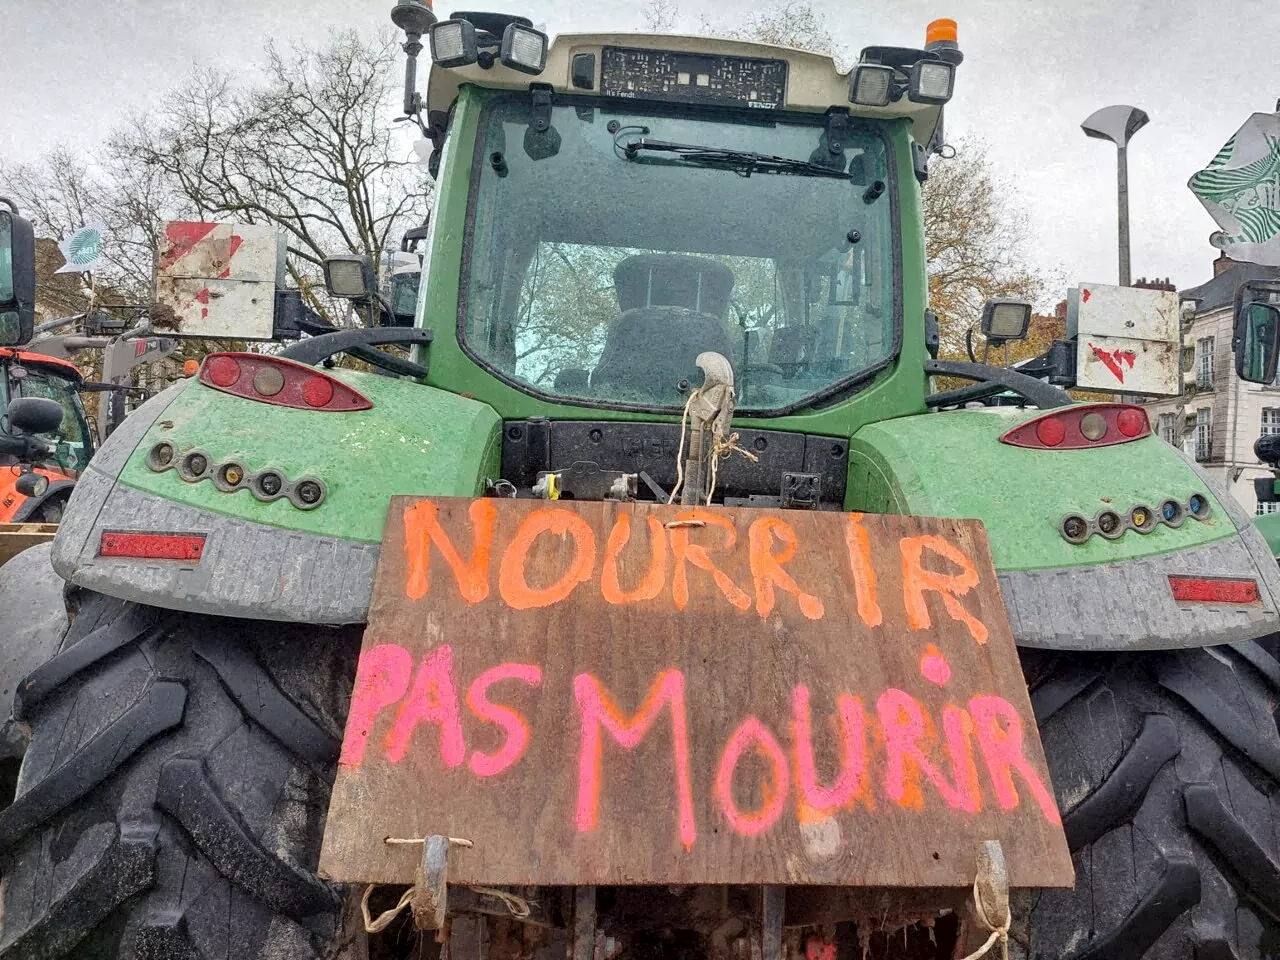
x=603 y=693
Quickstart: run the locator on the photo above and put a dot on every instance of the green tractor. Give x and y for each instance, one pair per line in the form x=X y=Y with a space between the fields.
x=620 y=221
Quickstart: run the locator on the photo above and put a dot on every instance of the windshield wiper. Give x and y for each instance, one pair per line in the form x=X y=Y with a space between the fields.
x=742 y=162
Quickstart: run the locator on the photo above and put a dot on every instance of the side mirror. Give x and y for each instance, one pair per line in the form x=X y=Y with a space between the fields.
x=1257 y=341
x=17 y=278
x=1004 y=320
x=34 y=415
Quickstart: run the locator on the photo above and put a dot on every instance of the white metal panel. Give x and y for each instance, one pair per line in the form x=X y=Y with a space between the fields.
x=219 y=279
x=218 y=309
x=1128 y=365
x=1136 y=313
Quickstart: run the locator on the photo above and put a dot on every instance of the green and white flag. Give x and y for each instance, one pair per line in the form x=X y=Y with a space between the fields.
x=83 y=249
x=1241 y=190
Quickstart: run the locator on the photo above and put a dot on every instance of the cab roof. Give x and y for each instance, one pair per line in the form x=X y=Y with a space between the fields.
x=814 y=83
x=54 y=365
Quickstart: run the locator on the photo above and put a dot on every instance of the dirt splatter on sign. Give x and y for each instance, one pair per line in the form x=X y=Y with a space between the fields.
x=603 y=693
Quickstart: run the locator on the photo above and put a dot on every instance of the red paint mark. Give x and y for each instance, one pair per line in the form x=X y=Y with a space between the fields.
x=686 y=553
x=905 y=725
x=517 y=729
x=1115 y=360
x=766 y=567
x=999 y=732
x=916 y=581
x=858 y=542
x=382 y=678
x=236 y=240
x=818 y=800
x=512 y=584
x=422 y=529
x=817 y=948
x=934 y=666
x=598 y=710
x=182 y=238
x=203 y=295
x=752 y=733
x=1085 y=294
x=434 y=699
x=655 y=578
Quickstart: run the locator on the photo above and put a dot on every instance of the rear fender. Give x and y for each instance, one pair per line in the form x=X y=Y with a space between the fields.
x=1099 y=595
x=271 y=559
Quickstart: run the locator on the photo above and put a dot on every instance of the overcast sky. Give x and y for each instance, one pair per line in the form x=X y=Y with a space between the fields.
x=1033 y=71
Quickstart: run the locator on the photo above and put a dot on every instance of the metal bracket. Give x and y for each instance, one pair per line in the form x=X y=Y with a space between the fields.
x=837 y=129
x=540 y=104
x=801 y=491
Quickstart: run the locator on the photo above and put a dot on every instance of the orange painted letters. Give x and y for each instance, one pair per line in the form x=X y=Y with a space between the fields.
x=512 y=582
x=686 y=552
x=766 y=567
x=655 y=577
x=858 y=542
x=422 y=528
x=916 y=580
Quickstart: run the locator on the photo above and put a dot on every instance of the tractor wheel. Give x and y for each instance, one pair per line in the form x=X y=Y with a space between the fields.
x=172 y=800
x=1166 y=767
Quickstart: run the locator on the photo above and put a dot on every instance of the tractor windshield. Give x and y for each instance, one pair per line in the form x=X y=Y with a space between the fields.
x=606 y=252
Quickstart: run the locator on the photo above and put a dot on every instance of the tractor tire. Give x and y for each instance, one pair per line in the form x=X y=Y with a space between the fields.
x=1166 y=768
x=172 y=800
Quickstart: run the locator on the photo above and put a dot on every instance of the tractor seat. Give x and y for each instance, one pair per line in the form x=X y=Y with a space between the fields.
x=672 y=310
x=649 y=350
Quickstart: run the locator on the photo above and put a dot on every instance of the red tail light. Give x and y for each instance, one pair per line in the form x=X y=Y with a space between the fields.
x=284 y=383
x=1082 y=426
x=1213 y=590
x=151 y=546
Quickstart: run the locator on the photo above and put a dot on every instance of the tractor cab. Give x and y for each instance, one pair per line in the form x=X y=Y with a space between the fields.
x=38 y=467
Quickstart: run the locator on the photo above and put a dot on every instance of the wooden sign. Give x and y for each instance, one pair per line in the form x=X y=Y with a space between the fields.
x=604 y=693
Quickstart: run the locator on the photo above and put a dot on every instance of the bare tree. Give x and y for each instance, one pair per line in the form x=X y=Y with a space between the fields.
x=309 y=149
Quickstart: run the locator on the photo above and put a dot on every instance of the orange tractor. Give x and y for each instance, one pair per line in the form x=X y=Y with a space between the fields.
x=43 y=444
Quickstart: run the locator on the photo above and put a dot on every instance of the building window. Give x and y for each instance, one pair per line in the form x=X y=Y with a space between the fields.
x=1167 y=426
x=1204 y=433
x=1265 y=508
x=1204 y=364
x=1270 y=421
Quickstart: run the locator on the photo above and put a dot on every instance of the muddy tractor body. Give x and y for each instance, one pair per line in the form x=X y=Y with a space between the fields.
x=657 y=269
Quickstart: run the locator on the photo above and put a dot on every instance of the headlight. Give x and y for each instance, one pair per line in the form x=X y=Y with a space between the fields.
x=871 y=86
x=523 y=49
x=931 y=82
x=453 y=43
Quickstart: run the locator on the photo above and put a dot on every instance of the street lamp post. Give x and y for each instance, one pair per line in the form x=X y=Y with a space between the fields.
x=1118 y=124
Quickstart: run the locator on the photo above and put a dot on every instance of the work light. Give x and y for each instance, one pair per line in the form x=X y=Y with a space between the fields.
x=523 y=49
x=871 y=86
x=930 y=82
x=349 y=277
x=453 y=43
x=1005 y=320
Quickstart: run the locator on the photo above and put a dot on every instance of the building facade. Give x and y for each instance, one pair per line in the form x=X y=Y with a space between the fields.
x=1218 y=416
